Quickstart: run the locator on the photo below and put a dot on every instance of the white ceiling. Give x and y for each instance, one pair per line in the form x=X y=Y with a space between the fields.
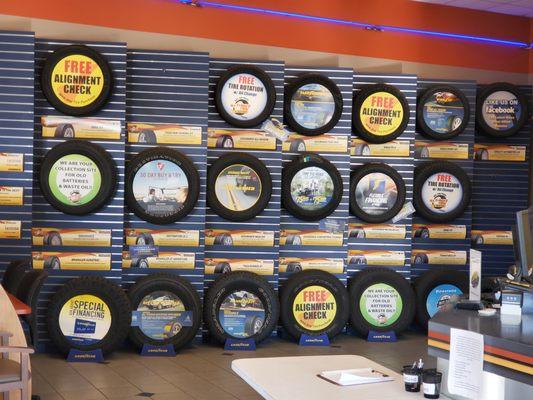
x=513 y=7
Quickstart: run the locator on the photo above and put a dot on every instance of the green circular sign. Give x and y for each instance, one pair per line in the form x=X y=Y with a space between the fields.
x=75 y=180
x=381 y=305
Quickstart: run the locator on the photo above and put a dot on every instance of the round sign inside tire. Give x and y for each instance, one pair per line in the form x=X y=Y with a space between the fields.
x=168 y=311
x=381 y=300
x=162 y=185
x=380 y=113
x=245 y=96
x=88 y=313
x=238 y=186
x=442 y=191
x=443 y=112
x=313 y=303
x=313 y=104
x=436 y=288
x=240 y=305
x=77 y=177
x=311 y=187
x=76 y=80
x=502 y=110
x=377 y=192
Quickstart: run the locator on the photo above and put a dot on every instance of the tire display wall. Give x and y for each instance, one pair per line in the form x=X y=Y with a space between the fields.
x=442 y=227
x=273 y=243
x=313 y=237
x=90 y=243
x=244 y=180
x=376 y=168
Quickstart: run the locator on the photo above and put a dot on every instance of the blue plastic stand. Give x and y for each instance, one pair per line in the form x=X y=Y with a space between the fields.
x=309 y=340
x=389 y=336
x=239 y=344
x=150 y=350
x=85 y=356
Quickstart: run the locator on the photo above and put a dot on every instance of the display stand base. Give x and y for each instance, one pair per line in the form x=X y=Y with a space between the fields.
x=150 y=350
x=95 y=356
x=389 y=336
x=309 y=340
x=239 y=344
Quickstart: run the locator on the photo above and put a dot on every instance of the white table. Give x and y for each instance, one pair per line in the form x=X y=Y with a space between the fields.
x=294 y=378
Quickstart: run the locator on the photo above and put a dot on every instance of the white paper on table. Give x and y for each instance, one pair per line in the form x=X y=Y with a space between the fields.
x=345 y=377
x=466 y=363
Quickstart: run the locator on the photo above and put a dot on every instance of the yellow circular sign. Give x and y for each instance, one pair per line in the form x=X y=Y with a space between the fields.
x=381 y=113
x=314 y=308
x=85 y=319
x=77 y=80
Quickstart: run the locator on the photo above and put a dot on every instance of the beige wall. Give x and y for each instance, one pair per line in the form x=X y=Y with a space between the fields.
x=219 y=48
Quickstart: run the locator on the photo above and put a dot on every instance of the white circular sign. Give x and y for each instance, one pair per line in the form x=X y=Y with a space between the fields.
x=442 y=193
x=244 y=96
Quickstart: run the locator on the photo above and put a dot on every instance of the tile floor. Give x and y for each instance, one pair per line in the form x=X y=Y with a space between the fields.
x=199 y=373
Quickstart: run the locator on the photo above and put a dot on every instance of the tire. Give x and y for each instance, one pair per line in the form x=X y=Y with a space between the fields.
x=477 y=240
x=140 y=263
x=421 y=258
x=225 y=142
x=517 y=123
x=295 y=240
x=297 y=146
x=481 y=155
x=269 y=96
x=224 y=239
x=222 y=268
x=52 y=239
x=318 y=283
x=422 y=233
x=428 y=282
x=52 y=263
x=308 y=212
x=228 y=285
x=101 y=290
x=255 y=170
x=94 y=103
x=294 y=266
x=144 y=239
x=147 y=136
x=358 y=260
x=315 y=128
x=65 y=131
x=455 y=125
x=168 y=284
x=359 y=101
x=436 y=199
x=421 y=152
x=74 y=151
x=253 y=325
x=358 y=233
x=161 y=211
x=386 y=279
x=362 y=176
x=362 y=150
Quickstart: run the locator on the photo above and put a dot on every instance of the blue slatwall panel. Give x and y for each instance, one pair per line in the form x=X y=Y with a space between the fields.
x=466 y=137
x=501 y=189
x=16 y=135
x=343 y=78
x=111 y=215
x=407 y=84
x=170 y=88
